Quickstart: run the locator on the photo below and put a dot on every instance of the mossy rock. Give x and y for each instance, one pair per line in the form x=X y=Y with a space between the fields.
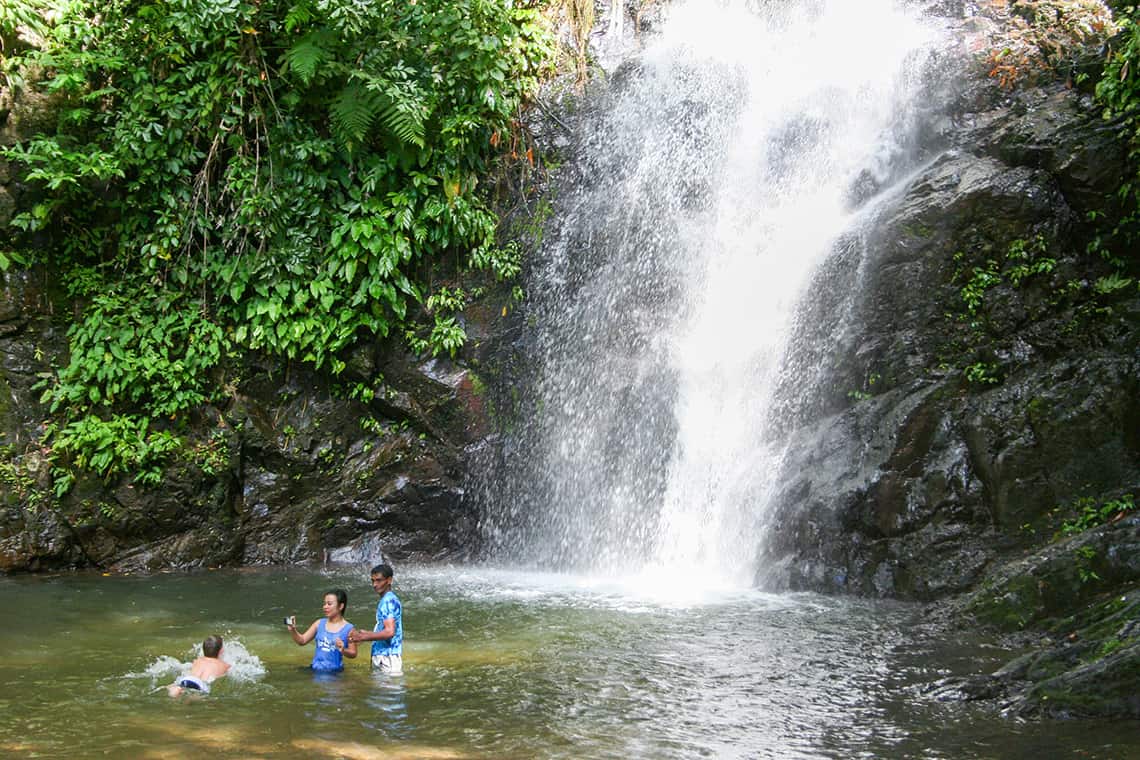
x=1012 y=606
x=1104 y=688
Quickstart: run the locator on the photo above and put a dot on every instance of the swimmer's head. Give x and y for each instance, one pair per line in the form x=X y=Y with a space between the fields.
x=339 y=601
x=212 y=646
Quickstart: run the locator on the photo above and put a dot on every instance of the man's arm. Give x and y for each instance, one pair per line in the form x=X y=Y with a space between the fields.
x=387 y=632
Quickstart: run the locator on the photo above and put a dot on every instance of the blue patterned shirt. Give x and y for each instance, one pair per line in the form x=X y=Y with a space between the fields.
x=389 y=607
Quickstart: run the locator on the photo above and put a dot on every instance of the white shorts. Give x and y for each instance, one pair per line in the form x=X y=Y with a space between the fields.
x=392 y=664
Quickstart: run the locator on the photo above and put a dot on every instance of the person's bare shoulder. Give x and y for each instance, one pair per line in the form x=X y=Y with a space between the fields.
x=209 y=667
x=218 y=668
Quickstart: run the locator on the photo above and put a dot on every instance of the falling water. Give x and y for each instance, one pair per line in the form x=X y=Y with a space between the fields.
x=717 y=174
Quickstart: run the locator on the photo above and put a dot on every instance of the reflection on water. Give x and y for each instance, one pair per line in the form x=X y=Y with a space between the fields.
x=498 y=665
x=387 y=700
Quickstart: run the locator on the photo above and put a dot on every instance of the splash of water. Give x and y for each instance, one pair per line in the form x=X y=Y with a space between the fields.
x=707 y=193
x=245 y=666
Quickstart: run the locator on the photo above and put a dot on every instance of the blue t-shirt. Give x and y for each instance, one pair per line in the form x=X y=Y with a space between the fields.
x=327 y=657
x=389 y=607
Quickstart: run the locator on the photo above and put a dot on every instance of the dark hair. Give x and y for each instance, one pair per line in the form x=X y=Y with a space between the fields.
x=211 y=646
x=341 y=598
x=384 y=570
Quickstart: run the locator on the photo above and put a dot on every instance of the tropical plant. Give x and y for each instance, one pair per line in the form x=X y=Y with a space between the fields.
x=1090 y=513
x=1119 y=91
x=274 y=175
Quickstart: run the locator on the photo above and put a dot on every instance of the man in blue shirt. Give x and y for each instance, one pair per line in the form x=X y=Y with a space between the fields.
x=388 y=636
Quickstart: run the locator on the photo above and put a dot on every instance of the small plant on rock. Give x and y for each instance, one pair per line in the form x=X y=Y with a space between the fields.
x=1090 y=514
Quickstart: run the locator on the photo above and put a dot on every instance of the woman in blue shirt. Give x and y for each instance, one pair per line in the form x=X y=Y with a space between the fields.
x=331 y=634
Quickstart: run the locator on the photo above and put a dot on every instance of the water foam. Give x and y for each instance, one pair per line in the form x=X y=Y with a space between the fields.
x=245 y=666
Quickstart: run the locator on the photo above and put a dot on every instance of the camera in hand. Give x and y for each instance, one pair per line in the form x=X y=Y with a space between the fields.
x=291 y=620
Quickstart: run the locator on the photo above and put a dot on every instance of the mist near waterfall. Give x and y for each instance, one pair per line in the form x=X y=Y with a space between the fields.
x=710 y=182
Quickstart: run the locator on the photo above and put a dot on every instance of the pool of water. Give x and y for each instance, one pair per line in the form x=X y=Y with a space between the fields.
x=499 y=664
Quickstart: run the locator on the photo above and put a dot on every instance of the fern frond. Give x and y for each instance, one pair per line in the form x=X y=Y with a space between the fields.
x=354 y=110
x=404 y=110
x=298 y=15
x=405 y=121
x=19 y=15
x=305 y=57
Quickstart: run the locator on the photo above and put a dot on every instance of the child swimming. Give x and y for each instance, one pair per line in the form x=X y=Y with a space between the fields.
x=330 y=632
x=204 y=670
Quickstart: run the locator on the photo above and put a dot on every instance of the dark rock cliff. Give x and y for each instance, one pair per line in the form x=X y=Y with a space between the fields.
x=937 y=421
x=287 y=467
x=980 y=392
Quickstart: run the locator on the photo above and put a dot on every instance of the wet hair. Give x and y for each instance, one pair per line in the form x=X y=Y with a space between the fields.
x=211 y=646
x=384 y=570
x=341 y=598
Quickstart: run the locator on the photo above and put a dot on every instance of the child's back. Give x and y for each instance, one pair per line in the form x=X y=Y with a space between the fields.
x=209 y=668
x=203 y=671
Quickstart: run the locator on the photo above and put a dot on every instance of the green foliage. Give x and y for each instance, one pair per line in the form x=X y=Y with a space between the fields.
x=505 y=263
x=17 y=485
x=1026 y=258
x=1110 y=645
x=868 y=389
x=19 y=19
x=278 y=176
x=140 y=351
x=980 y=280
x=212 y=455
x=449 y=300
x=1118 y=90
x=982 y=373
x=8 y=259
x=1085 y=557
x=1091 y=514
x=1023 y=259
x=1111 y=284
x=447 y=335
x=20 y=14
x=122 y=444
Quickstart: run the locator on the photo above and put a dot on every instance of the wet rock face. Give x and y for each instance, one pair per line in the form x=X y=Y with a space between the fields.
x=290 y=468
x=1078 y=611
x=982 y=391
x=322 y=475
x=946 y=432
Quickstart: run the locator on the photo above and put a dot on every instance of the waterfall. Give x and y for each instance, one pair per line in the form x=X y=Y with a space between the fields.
x=708 y=184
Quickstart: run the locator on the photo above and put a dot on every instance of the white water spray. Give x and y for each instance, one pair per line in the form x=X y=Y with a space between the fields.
x=711 y=189
x=245 y=666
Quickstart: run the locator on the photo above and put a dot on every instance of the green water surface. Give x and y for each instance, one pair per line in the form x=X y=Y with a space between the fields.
x=498 y=664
